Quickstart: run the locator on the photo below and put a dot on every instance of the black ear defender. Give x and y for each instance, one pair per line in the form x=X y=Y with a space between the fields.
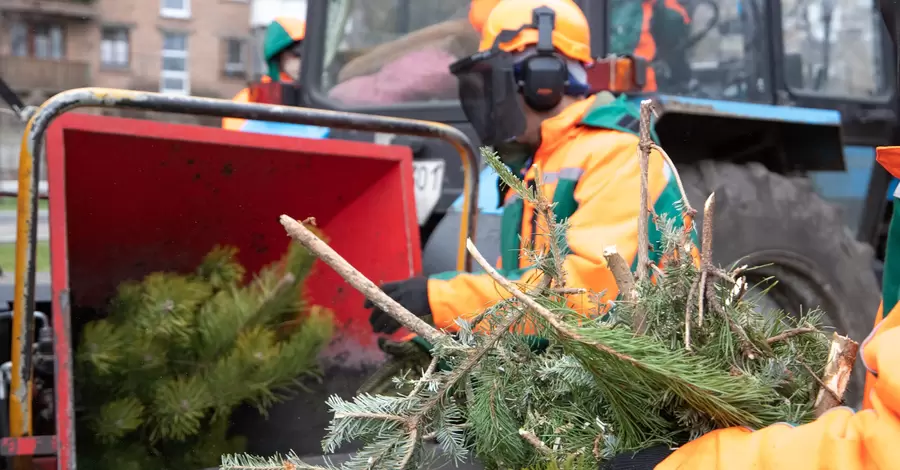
x=545 y=75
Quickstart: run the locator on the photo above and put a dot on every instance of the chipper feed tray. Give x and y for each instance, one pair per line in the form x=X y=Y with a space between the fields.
x=130 y=197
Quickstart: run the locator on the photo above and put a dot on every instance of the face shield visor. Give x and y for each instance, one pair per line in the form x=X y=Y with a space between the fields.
x=488 y=92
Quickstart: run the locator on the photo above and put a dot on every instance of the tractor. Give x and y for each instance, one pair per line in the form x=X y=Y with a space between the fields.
x=775 y=105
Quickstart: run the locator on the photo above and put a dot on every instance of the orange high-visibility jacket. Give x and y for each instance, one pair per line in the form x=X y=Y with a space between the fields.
x=590 y=168
x=840 y=439
x=243 y=96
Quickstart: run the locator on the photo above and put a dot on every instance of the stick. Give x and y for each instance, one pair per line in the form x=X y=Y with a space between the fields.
x=688 y=209
x=643 y=230
x=709 y=209
x=625 y=281
x=535 y=442
x=622 y=273
x=359 y=282
x=841 y=357
x=546 y=314
x=790 y=334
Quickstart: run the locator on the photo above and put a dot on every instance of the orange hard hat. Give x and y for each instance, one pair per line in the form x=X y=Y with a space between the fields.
x=479 y=10
x=571 y=33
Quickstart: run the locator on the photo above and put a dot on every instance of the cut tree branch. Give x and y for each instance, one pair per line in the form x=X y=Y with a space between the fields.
x=709 y=209
x=547 y=315
x=535 y=442
x=644 y=218
x=838 y=369
x=625 y=282
x=688 y=209
x=790 y=334
x=360 y=282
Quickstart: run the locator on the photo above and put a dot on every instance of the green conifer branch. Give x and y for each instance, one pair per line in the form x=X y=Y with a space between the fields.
x=161 y=374
x=592 y=387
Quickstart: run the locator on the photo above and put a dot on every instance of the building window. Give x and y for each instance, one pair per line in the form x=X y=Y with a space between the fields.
x=39 y=40
x=48 y=41
x=114 y=47
x=175 y=8
x=19 y=39
x=235 y=57
x=175 y=77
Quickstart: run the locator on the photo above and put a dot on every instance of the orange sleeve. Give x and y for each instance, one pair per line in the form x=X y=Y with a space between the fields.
x=608 y=207
x=838 y=440
x=234 y=124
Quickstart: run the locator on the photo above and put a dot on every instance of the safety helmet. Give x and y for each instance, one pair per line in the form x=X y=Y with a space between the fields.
x=283 y=33
x=479 y=10
x=571 y=33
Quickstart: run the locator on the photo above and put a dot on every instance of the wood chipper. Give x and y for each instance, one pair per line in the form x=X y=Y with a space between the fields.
x=131 y=197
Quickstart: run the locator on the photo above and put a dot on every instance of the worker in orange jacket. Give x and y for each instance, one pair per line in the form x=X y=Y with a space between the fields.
x=525 y=93
x=841 y=439
x=281 y=49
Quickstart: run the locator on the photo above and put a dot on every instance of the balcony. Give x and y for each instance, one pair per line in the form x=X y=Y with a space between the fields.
x=28 y=73
x=69 y=9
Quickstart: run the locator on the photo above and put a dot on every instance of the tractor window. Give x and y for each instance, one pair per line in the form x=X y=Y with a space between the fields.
x=704 y=48
x=834 y=47
x=381 y=52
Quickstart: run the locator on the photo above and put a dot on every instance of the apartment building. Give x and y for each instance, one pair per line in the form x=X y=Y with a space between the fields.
x=198 y=47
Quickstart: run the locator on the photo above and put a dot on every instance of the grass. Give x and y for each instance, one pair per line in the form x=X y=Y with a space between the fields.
x=8 y=250
x=9 y=204
x=8 y=257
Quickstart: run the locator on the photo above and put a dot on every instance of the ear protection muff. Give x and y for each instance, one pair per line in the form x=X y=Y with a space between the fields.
x=544 y=76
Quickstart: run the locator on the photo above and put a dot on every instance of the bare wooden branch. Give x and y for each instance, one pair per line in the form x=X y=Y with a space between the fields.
x=838 y=369
x=644 y=146
x=569 y=290
x=535 y=442
x=621 y=272
x=547 y=315
x=360 y=282
x=709 y=209
x=790 y=334
x=688 y=209
x=625 y=282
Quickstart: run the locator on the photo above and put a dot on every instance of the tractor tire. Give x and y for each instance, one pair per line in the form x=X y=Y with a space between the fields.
x=763 y=218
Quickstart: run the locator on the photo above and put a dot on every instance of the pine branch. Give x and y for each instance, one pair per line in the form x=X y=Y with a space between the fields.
x=594 y=388
x=276 y=462
x=360 y=282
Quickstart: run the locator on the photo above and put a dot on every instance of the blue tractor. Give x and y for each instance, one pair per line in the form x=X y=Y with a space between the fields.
x=777 y=105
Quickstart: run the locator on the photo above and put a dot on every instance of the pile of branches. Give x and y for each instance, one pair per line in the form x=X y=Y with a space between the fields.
x=681 y=351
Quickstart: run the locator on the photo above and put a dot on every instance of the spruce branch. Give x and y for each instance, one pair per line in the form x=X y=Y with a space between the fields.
x=360 y=282
x=552 y=229
x=590 y=384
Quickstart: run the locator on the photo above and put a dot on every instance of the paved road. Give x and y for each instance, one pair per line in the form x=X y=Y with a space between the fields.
x=8 y=226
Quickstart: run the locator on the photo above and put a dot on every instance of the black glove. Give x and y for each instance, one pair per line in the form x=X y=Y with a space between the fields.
x=646 y=459
x=411 y=293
